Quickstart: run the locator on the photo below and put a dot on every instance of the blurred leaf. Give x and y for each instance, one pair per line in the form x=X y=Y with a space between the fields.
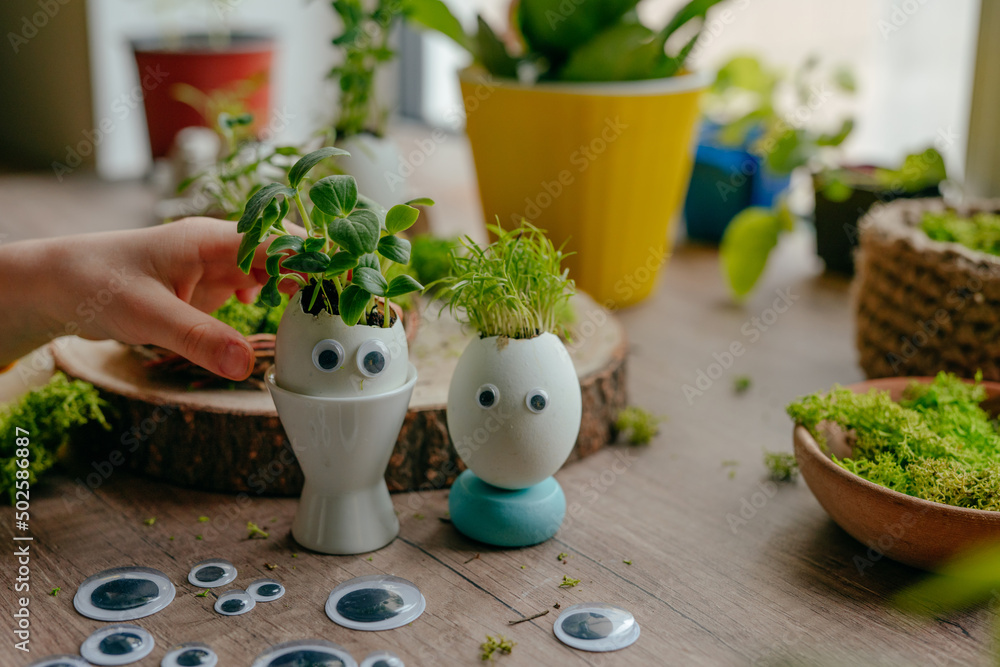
x=492 y=53
x=435 y=15
x=555 y=28
x=746 y=245
x=969 y=579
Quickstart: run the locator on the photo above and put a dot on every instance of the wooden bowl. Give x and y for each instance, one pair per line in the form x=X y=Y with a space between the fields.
x=910 y=530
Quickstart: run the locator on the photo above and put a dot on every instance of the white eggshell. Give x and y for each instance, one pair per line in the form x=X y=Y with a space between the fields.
x=298 y=334
x=508 y=445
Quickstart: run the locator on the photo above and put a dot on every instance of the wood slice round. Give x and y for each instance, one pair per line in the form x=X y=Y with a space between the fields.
x=232 y=440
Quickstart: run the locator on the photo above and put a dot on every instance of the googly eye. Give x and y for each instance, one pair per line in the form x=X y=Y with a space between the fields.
x=117 y=645
x=234 y=603
x=190 y=654
x=305 y=652
x=61 y=661
x=382 y=659
x=373 y=358
x=595 y=626
x=376 y=602
x=328 y=356
x=123 y=594
x=265 y=590
x=212 y=573
x=537 y=400
x=487 y=396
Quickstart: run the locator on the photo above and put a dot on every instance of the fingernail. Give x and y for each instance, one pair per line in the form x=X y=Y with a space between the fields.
x=235 y=361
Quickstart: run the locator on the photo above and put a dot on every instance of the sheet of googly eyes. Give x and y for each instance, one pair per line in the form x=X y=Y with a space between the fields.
x=382 y=659
x=265 y=590
x=117 y=645
x=595 y=626
x=376 y=602
x=316 y=652
x=190 y=654
x=212 y=573
x=123 y=594
x=234 y=603
x=61 y=661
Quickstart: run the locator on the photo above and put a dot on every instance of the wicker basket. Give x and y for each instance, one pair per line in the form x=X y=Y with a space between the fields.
x=924 y=306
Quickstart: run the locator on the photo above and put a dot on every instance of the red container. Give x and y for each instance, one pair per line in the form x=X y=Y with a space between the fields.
x=197 y=62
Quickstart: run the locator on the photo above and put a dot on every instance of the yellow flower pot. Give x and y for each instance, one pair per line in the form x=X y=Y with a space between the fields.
x=602 y=166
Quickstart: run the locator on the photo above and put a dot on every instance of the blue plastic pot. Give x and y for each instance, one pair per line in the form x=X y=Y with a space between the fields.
x=724 y=181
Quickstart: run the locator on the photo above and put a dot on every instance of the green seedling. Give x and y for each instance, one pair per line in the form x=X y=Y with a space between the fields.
x=347 y=250
x=513 y=288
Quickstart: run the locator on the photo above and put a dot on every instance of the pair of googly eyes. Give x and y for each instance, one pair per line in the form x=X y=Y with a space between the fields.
x=488 y=396
x=372 y=359
x=236 y=601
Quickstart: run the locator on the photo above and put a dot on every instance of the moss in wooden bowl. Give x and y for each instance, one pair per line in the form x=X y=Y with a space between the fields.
x=937 y=443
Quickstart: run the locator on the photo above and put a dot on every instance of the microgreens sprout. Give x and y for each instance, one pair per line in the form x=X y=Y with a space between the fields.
x=514 y=287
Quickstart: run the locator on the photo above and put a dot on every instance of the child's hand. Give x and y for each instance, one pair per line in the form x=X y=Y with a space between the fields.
x=152 y=286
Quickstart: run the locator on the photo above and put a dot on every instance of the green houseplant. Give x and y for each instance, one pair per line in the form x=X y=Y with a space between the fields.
x=753 y=137
x=754 y=233
x=359 y=126
x=601 y=103
x=341 y=379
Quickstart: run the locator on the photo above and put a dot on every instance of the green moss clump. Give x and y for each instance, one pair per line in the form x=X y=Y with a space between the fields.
x=937 y=443
x=980 y=232
x=251 y=318
x=781 y=466
x=50 y=414
x=638 y=425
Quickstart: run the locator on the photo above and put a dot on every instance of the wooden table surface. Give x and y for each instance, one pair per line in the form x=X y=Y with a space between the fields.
x=725 y=569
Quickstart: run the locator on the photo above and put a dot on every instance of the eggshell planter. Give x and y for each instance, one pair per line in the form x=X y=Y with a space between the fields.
x=514 y=410
x=341 y=393
x=508 y=445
